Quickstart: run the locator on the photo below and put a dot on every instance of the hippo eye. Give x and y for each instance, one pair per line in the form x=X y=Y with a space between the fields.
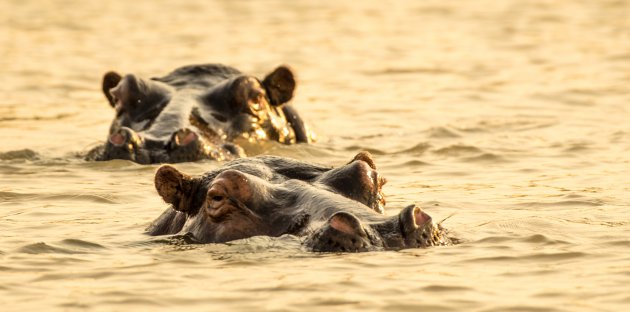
x=217 y=198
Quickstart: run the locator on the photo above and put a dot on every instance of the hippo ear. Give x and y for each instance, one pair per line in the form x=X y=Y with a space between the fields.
x=174 y=187
x=412 y=218
x=366 y=157
x=110 y=80
x=346 y=223
x=280 y=85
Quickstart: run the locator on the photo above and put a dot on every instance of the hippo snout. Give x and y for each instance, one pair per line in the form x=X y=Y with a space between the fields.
x=419 y=230
x=343 y=232
x=187 y=145
x=124 y=143
x=124 y=137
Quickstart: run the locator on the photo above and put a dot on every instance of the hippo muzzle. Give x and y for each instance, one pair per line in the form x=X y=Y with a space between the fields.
x=182 y=146
x=331 y=208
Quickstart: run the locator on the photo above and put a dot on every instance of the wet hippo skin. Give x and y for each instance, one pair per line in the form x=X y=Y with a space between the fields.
x=333 y=209
x=198 y=112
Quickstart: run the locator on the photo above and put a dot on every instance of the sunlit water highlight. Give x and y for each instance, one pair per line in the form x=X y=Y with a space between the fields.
x=512 y=116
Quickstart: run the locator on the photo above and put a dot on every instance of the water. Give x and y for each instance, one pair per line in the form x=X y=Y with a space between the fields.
x=511 y=116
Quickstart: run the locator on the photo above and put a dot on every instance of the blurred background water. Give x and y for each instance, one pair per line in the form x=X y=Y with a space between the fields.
x=512 y=116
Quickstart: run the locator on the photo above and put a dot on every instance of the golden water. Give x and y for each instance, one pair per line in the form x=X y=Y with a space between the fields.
x=512 y=116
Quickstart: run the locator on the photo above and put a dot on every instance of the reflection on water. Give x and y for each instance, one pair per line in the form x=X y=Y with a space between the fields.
x=511 y=116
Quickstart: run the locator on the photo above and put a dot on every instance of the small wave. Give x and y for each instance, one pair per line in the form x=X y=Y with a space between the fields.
x=416 y=70
x=555 y=256
x=412 y=163
x=43 y=248
x=516 y=124
x=619 y=243
x=66 y=276
x=81 y=244
x=523 y=308
x=113 y=164
x=442 y=133
x=536 y=257
x=445 y=288
x=133 y=301
x=416 y=306
x=619 y=137
x=569 y=97
x=7 y=196
x=577 y=147
x=75 y=305
x=101 y=199
x=372 y=151
x=486 y=158
x=54 y=117
x=458 y=150
x=592 y=202
x=417 y=149
x=494 y=239
x=23 y=154
x=542 y=239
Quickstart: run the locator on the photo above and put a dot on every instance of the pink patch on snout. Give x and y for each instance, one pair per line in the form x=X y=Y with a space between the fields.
x=340 y=225
x=184 y=138
x=117 y=139
x=189 y=138
x=420 y=217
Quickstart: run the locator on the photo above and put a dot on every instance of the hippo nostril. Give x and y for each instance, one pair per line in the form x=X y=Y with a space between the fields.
x=184 y=137
x=121 y=137
x=117 y=139
x=216 y=197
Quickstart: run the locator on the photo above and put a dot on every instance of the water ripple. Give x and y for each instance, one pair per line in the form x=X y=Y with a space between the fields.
x=486 y=158
x=538 y=257
x=372 y=150
x=82 y=244
x=94 y=198
x=522 y=308
x=408 y=70
x=590 y=202
x=43 y=248
x=66 y=275
x=445 y=288
x=416 y=150
x=458 y=150
x=23 y=154
x=442 y=133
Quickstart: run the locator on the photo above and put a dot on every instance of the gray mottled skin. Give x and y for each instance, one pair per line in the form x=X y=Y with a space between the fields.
x=334 y=209
x=198 y=112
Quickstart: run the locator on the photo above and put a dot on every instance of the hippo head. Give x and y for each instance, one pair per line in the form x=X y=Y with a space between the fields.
x=336 y=209
x=233 y=205
x=198 y=112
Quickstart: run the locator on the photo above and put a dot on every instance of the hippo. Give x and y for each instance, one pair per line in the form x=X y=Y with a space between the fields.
x=332 y=209
x=198 y=112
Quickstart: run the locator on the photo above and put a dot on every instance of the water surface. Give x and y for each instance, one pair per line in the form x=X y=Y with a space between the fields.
x=511 y=116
